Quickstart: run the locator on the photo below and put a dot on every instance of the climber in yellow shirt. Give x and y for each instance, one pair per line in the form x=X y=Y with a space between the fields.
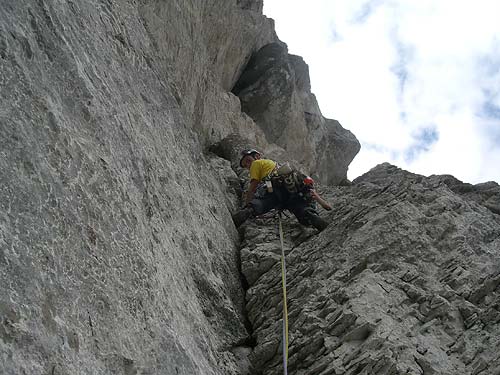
x=259 y=200
x=259 y=169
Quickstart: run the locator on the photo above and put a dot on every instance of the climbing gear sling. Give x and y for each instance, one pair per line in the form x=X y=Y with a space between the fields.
x=285 y=310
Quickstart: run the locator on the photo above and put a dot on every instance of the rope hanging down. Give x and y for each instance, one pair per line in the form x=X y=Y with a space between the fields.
x=285 y=310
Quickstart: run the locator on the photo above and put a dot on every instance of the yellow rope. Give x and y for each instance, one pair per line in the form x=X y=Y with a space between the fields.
x=285 y=310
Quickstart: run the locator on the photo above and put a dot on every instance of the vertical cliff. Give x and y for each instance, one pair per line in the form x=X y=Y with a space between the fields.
x=117 y=251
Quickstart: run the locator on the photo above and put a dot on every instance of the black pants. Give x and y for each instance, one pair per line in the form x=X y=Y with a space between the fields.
x=281 y=199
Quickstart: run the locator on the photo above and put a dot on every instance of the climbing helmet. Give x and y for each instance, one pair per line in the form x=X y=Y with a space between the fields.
x=248 y=152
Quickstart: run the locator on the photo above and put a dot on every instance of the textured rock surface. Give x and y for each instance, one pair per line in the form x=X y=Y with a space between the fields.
x=404 y=280
x=487 y=193
x=117 y=251
x=275 y=91
x=201 y=48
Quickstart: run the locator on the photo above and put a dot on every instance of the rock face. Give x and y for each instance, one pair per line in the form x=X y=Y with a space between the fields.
x=198 y=50
x=275 y=91
x=404 y=280
x=486 y=194
x=117 y=250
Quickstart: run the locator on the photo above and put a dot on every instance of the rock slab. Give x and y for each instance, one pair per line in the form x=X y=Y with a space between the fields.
x=404 y=280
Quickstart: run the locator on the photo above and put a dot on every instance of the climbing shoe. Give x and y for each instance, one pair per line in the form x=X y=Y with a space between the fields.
x=318 y=223
x=315 y=220
x=242 y=215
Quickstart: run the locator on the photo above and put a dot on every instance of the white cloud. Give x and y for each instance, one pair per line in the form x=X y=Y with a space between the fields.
x=394 y=72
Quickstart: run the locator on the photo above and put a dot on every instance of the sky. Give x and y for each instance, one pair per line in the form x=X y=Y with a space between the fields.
x=417 y=82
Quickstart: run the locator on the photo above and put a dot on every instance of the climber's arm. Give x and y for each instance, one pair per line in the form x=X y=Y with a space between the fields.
x=320 y=200
x=251 y=191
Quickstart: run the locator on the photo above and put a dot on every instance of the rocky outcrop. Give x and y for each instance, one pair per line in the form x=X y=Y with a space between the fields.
x=275 y=91
x=486 y=193
x=404 y=280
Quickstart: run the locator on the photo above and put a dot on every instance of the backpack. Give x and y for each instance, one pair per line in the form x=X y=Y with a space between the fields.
x=294 y=181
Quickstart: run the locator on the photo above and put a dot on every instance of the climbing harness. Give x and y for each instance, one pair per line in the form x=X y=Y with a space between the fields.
x=285 y=310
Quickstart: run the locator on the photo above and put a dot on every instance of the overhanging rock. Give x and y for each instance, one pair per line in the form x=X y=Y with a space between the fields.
x=275 y=92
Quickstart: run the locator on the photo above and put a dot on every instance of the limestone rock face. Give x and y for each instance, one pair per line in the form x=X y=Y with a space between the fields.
x=487 y=193
x=199 y=48
x=118 y=254
x=117 y=250
x=275 y=91
x=404 y=280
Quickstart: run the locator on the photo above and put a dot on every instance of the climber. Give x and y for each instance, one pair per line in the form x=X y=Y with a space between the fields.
x=278 y=187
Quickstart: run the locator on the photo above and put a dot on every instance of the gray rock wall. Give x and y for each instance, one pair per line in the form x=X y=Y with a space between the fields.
x=404 y=280
x=117 y=251
x=486 y=193
x=200 y=48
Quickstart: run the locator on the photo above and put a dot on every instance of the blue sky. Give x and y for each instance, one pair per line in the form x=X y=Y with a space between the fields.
x=418 y=82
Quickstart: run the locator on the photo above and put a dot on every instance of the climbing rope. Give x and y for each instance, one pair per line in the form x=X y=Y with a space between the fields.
x=285 y=310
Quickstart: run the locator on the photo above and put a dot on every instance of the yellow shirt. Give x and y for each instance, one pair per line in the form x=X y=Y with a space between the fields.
x=261 y=168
